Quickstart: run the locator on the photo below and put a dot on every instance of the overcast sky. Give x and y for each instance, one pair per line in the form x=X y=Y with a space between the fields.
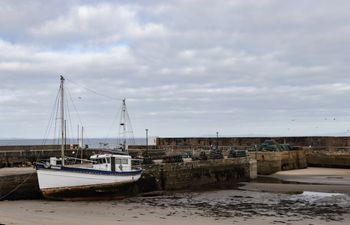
x=186 y=67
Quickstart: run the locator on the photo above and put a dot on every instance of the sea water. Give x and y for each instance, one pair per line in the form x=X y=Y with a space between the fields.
x=91 y=142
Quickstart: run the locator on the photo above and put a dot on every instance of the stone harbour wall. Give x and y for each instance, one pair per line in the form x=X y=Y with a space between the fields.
x=200 y=174
x=337 y=157
x=26 y=155
x=272 y=162
x=319 y=150
x=312 y=141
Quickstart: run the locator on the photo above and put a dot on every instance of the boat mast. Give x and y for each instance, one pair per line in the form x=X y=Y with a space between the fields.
x=123 y=124
x=62 y=119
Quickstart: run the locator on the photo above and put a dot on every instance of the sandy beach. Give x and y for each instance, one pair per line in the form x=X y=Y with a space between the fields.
x=266 y=203
x=316 y=175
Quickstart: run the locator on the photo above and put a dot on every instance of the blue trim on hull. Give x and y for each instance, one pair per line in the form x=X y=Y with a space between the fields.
x=89 y=171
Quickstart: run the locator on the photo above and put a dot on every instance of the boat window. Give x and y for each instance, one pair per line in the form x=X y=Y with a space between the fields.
x=124 y=161
x=118 y=161
x=108 y=160
x=101 y=161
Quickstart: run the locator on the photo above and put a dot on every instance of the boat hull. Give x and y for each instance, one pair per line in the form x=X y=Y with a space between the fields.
x=71 y=184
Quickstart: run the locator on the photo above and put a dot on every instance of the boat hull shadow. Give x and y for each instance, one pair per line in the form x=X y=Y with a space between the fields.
x=93 y=192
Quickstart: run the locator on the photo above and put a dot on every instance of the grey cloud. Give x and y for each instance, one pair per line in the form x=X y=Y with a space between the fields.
x=187 y=67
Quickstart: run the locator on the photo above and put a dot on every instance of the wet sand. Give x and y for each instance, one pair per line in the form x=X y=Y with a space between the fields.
x=262 y=205
x=310 y=179
x=295 y=188
x=216 y=207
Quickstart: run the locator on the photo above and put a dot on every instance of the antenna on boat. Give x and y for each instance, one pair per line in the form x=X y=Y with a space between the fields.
x=62 y=119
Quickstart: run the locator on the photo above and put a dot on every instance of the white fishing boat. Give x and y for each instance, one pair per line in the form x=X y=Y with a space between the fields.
x=104 y=174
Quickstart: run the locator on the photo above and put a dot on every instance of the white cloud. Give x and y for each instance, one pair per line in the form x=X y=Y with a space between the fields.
x=96 y=24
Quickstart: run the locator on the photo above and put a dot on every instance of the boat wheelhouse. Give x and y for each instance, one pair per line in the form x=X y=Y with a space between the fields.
x=112 y=162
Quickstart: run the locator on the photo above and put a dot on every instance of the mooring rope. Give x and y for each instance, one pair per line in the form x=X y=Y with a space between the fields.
x=46 y=134
x=18 y=186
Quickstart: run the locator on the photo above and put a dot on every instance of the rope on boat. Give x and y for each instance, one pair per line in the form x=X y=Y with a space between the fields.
x=93 y=91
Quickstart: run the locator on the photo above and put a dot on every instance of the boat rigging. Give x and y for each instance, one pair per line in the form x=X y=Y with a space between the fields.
x=103 y=173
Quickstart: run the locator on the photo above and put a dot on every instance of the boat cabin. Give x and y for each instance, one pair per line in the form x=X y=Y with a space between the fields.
x=111 y=162
x=55 y=161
